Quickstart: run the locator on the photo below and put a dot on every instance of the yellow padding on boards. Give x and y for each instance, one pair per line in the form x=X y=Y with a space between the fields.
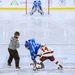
x=68 y=8
x=65 y=8
x=12 y=8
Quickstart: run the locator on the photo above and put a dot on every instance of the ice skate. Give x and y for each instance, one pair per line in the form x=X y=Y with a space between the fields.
x=17 y=67
x=60 y=67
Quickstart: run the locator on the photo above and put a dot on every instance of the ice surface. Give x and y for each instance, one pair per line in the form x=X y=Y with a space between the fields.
x=56 y=30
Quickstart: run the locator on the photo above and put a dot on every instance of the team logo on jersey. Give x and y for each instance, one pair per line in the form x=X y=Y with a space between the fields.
x=14 y=2
x=62 y=2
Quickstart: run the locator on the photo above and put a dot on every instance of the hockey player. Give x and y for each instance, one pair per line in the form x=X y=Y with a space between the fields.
x=33 y=47
x=37 y=7
x=43 y=54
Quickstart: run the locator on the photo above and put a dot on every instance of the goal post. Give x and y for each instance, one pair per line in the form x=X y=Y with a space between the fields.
x=26 y=6
x=45 y=6
x=48 y=7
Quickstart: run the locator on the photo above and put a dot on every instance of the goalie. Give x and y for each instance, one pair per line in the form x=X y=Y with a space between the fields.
x=37 y=7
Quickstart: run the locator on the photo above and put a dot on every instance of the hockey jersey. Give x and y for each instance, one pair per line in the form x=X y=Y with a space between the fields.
x=34 y=47
x=44 y=51
x=37 y=3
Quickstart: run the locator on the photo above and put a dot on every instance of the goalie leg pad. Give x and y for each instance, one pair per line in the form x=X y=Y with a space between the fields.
x=40 y=11
x=32 y=11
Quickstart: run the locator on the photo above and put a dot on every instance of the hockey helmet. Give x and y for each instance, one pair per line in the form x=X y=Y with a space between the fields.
x=27 y=43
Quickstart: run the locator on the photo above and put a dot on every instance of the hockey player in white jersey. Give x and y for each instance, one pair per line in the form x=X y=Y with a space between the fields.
x=43 y=54
x=37 y=7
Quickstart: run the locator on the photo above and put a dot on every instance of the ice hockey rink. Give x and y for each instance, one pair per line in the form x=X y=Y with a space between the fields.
x=56 y=30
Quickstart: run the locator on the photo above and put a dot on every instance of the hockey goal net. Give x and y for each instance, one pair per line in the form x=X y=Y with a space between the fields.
x=45 y=6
